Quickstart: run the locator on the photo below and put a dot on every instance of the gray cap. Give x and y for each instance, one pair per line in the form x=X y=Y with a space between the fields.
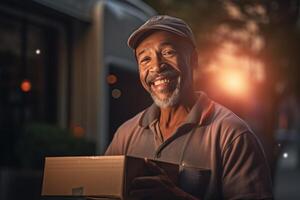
x=164 y=23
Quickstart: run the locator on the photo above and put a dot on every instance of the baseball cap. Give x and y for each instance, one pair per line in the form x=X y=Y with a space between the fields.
x=164 y=23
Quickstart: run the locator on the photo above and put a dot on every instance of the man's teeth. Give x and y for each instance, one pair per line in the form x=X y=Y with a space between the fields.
x=161 y=81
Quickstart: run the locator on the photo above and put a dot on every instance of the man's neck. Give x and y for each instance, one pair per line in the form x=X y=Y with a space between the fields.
x=172 y=117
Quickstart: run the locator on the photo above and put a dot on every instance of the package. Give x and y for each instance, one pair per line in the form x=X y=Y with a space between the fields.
x=96 y=176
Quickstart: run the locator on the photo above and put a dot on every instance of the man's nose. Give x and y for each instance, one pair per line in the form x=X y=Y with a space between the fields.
x=159 y=64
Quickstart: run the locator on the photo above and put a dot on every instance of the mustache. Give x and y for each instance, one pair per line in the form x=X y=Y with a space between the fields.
x=167 y=73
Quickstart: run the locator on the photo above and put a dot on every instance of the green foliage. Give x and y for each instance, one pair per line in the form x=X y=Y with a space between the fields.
x=41 y=140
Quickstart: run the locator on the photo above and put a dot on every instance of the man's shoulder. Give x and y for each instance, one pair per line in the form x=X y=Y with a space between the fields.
x=227 y=126
x=121 y=139
x=228 y=119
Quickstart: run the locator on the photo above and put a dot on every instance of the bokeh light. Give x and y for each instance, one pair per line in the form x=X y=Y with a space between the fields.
x=78 y=131
x=116 y=93
x=111 y=79
x=25 y=86
x=38 y=51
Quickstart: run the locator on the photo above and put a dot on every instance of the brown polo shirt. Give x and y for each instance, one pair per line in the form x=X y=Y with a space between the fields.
x=220 y=157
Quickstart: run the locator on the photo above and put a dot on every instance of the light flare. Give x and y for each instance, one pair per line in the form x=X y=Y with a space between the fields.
x=234 y=82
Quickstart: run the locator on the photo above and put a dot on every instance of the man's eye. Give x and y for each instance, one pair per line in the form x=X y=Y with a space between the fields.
x=145 y=60
x=169 y=53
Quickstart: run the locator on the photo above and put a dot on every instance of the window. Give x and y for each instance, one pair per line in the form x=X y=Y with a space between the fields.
x=28 y=83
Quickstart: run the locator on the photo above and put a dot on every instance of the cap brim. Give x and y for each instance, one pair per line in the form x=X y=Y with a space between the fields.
x=136 y=37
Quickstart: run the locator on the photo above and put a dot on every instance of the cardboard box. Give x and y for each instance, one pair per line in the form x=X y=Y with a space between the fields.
x=96 y=176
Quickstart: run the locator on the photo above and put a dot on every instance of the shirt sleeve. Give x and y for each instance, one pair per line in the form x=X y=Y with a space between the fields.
x=116 y=146
x=246 y=173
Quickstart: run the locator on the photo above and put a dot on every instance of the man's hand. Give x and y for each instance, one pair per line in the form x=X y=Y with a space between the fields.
x=157 y=187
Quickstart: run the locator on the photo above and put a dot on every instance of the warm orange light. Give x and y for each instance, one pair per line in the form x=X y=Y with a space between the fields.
x=78 y=131
x=111 y=79
x=234 y=83
x=25 y=85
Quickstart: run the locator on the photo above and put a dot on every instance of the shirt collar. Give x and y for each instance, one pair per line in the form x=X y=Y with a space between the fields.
x=200 y=113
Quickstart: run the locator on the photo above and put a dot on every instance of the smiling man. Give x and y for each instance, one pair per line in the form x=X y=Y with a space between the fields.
x=219 y=156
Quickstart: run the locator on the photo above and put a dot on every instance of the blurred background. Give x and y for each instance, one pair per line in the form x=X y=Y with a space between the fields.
x=68 y=79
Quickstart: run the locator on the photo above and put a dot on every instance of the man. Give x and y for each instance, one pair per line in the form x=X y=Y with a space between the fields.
x=219 y=156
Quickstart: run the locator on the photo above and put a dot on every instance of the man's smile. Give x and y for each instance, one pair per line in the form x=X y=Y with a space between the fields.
x=164 y=84
x=161 y=81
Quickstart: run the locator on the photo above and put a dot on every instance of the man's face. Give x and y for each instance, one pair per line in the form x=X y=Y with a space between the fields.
x=164 y=67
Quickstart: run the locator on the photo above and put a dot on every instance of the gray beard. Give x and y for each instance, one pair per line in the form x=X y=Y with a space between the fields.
x=170 y=101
